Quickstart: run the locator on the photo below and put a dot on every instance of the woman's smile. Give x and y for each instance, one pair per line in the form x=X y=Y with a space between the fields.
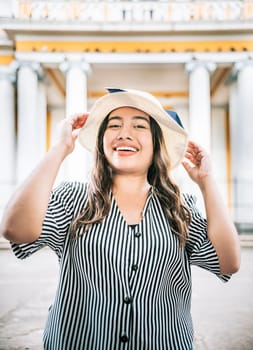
x=125 y=150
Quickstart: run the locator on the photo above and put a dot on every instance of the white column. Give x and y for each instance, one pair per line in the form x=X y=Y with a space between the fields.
x=242 y=134
x=7 y=134
x=199 y=102
x=77 y=165
x=29 y=150
x=7 y=129
x=42 y=117
x=235 y=154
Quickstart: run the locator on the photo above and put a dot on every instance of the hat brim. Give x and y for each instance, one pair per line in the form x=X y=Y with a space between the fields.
x=175 y=137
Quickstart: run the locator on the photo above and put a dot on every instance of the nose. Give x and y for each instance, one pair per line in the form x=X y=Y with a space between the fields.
x=124 y=133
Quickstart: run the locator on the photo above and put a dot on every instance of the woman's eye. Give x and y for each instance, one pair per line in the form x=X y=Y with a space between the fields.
x=113 y=126
x=140 y=126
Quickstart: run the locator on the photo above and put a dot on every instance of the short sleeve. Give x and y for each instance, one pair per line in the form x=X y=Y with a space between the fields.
x=55 y=225
x=199 y=248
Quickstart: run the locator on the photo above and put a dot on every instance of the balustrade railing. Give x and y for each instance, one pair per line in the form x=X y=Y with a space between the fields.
x=118 y=11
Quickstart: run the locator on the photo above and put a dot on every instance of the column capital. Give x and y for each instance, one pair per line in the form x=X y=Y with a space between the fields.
x=8 y=72
x=7 y=75
x=34 y=66
x=66 y=65
x=191 y=66
x=238 y=67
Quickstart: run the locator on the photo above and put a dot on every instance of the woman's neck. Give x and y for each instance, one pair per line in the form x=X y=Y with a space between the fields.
x=130 y=194
x=130 y=184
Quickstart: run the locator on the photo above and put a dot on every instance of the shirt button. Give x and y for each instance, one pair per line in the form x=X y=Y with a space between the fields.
x=134 y=267
x=137 y=234
x=124 y=338
x=127 y=299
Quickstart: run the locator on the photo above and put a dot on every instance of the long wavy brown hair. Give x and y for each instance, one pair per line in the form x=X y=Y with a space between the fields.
x=167 y=191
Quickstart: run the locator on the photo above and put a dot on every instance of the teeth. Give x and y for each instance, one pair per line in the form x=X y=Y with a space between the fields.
x=126 y=149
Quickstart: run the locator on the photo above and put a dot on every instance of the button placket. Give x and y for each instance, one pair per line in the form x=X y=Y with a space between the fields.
x=133 y=268
x=124 y=338
x=128 y=299
x=126 y=323
x=132 y=251
x=133 y=261
x=137 y=234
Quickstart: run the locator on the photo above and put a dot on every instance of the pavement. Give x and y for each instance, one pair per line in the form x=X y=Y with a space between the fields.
x=222 y=312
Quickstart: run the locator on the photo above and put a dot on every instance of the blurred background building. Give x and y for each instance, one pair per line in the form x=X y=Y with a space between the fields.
x=196 y=57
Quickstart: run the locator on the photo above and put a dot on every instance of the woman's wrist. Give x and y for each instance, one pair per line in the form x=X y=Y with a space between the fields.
x=61 y=149
x=207 y=183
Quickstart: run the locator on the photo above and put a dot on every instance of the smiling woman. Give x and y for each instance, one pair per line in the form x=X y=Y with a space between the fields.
x=126 y=240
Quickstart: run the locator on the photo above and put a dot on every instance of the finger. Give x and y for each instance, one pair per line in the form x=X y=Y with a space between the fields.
x=194 y=159
x=192 y=149
x=75 y=134
x=79 y=120
x=188 y=167
x=193 y=144
x=196 y=152
x=196 y=148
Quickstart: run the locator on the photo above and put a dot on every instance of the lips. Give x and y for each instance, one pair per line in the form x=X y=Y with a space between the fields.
x=124 y=150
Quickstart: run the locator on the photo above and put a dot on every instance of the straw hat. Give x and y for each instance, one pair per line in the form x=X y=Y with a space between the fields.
x=175 y=136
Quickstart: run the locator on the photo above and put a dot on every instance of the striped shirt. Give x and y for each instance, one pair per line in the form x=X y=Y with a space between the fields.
x=121 y=287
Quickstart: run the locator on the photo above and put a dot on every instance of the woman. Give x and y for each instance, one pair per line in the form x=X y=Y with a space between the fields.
x=127 y=239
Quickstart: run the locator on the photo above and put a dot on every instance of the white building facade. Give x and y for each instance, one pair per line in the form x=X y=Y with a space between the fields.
x=57 y=57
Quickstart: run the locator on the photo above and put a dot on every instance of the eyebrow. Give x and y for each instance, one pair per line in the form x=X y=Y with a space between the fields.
x=134 y=118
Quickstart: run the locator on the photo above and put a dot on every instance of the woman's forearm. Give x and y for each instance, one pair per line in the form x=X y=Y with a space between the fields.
x=221 y=230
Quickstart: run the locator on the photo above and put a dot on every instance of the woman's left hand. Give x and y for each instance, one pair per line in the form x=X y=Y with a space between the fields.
x=69 y=129
x=197 y=163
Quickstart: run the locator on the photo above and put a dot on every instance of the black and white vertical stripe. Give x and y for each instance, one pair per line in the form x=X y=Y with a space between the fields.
x=121 y=287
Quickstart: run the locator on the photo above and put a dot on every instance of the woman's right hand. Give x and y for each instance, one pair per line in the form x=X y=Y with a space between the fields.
x=69 y=129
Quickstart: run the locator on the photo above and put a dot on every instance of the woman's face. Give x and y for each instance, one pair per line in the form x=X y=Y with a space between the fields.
x=127 y=141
